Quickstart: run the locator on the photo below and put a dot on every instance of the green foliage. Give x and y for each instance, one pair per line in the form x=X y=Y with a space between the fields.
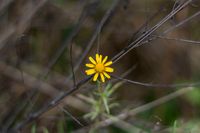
x=33 y=128
x=192 y=126
x=170 y=112
x=101 y=101
x=69 y=126
x=60 y=127
x=45 y=130
x=167 y=112
x=116 y=130
x=174 y=127
x=193 y=96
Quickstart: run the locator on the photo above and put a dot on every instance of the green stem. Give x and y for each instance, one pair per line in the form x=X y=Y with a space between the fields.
x=101 y=105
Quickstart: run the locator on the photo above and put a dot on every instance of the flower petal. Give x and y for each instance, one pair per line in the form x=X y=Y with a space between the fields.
x=100 y=58
x=109 y=69
x=92 y=60
x=97 y=58
x=95 y=77
x=90 y=71
x=90 y=65
x=108 y=63
x=102 y=77
x=106 y=75
x=105 y=59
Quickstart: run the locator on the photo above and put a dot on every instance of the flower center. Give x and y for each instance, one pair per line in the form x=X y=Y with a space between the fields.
x=99 y=68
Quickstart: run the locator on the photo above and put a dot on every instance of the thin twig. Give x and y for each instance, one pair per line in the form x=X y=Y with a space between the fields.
x=126 y=73
x=178 y=39
x=143 y=28
x=81 y=20
x=181 y=23
x=70 y=115
x=174 y=27
x=158 y=85
x=67 y=41
x=138 y=41
x=102 y=23
x=72 y=65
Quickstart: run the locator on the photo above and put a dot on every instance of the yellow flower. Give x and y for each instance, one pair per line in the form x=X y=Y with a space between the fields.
x=99 y=67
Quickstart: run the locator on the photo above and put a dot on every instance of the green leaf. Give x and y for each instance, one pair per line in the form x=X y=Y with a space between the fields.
x=60 y=127
x=33 y=128
x=108 y=86
x=174 y=127
x=113 y=105
x=113 y=89
x=193 y=96
x=105 y=102
x=45 y=130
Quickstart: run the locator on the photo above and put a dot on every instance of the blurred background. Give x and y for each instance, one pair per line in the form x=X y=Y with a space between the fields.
x=35 y=65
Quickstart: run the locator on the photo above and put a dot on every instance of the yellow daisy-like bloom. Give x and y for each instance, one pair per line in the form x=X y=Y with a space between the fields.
x=99 y=67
